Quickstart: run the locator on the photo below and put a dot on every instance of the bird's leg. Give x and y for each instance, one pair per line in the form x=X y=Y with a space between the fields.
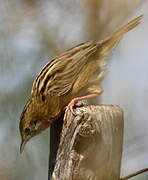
x=75 y=101
x=92 y=91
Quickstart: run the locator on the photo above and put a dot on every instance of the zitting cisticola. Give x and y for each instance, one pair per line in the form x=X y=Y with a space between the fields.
x=65 y=80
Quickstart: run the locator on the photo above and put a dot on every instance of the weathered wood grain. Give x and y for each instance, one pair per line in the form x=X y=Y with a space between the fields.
x=91 y=144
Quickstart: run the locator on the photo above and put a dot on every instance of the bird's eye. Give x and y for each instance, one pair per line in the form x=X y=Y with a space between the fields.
x=27 y=131
x=35 y=122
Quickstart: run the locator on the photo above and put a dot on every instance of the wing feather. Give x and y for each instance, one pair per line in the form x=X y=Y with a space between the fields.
x=59 y=75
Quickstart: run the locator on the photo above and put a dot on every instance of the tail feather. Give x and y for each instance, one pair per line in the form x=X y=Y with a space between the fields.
x=111 y=41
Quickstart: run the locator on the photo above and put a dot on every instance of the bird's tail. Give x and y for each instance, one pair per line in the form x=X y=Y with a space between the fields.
x=110 y=42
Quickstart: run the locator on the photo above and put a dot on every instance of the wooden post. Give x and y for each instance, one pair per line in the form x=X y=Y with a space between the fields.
x=90 y=144
x=55 y=131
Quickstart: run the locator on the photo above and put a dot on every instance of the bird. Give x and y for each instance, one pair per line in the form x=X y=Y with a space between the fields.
x=66 y=80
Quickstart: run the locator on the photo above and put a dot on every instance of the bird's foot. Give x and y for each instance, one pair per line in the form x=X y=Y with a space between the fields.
x=81 y=104
x=74 y=103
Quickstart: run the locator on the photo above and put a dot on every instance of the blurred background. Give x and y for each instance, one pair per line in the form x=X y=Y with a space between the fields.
x=34 y=31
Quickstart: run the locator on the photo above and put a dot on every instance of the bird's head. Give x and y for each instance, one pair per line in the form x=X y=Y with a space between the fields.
x=32 y=122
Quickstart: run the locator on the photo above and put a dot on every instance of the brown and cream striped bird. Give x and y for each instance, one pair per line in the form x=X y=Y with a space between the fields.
x=65 y=80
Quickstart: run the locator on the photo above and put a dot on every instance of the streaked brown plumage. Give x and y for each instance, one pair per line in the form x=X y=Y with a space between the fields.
x=68 y=78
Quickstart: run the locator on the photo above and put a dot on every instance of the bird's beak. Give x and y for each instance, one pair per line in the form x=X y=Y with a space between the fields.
x=23 y=143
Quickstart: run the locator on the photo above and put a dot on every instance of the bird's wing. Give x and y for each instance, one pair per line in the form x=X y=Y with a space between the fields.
x=59 y=75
